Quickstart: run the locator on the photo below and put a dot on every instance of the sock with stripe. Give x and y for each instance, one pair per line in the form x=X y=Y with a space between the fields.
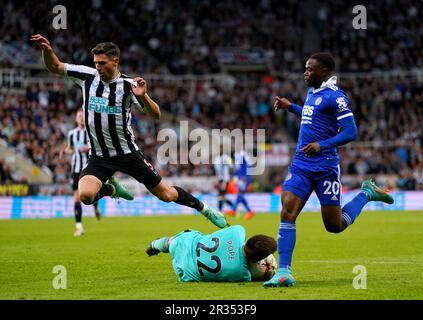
x=286 y=243
x=352 y=209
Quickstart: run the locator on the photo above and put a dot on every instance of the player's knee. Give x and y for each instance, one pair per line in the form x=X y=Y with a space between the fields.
x=288 y=213
x=86 y=197
x=333 y=228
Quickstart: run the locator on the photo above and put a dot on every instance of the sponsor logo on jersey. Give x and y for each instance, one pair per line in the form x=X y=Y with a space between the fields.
x=100 y=105
x=342 y=104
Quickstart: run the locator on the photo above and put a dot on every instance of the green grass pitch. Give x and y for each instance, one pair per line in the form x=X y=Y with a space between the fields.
x=109 y=261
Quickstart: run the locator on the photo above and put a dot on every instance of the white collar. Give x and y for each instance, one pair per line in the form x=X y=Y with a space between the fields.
x=326 y=84
x=113 y=80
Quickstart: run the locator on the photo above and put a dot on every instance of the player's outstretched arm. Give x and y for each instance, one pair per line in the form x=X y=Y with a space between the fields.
x=285 y=104
x=140 y=91
x=51 y=61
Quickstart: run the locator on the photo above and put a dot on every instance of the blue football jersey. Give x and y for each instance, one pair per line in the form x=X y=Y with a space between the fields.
x=242 y=163
x=323 y=109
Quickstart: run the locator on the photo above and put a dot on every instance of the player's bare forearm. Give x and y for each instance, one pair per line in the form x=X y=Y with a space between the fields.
x=139 y=88
x=51 y=61
x=151 y=107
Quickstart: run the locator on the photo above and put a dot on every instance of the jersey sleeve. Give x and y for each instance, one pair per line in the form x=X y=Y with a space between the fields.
x=341 y=106
x=78 y=73
x=139 y=104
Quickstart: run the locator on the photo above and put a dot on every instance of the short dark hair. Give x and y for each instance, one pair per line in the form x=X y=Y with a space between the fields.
x=259 y=247
x=108 y=48
x=325 y=59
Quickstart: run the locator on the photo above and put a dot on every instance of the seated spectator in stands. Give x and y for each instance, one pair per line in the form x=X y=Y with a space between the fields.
x=406 y=180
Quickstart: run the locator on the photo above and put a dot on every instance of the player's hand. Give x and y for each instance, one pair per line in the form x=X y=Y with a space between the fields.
x=281 y=103
x=140 y=89
x=311 y=148
x=41 y=41
x=84 y=149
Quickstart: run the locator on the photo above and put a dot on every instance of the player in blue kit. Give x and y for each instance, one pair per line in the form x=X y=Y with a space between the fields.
x=220 y=256
x=242 y=164
x=326 y=123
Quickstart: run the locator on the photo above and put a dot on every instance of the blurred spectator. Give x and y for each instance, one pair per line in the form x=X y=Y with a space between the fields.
x=181 y=37
x=5 y=173
x=406 y=180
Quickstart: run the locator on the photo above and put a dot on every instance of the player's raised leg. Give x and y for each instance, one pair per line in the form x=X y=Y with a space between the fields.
x=291 y=208
x=178 y=195
x=120 y=191
x=336 y=219
x=91 y=189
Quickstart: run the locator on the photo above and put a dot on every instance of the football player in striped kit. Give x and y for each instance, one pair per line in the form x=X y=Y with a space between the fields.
x=107 y=99
x=222 y=166
x=78 y=146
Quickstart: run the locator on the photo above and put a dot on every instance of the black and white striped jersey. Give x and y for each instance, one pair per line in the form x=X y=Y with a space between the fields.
x=107 y=111
x=77 y=138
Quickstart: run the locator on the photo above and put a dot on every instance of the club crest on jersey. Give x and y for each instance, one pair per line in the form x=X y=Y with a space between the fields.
x=119 y=91
x=100 y=105
x=342 y=104
x=318 y=101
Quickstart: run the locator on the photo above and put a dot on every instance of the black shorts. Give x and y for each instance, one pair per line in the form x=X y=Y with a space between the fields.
x=133 y=164
x=75 y=180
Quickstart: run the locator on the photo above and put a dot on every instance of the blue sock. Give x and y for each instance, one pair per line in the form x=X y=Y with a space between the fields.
x=161 y=244
x=286 y=243
x=237 y=202
x=245 y=203
x=352 y=209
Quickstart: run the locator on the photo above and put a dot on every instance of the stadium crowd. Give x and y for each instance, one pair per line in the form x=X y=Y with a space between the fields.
x=182 y=38
x=36 y=124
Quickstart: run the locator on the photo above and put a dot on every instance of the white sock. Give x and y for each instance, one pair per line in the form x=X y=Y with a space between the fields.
x=79 y=226
x=205 y=207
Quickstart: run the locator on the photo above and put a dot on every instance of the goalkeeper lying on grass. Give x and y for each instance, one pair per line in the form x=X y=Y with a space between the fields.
x=220 y=256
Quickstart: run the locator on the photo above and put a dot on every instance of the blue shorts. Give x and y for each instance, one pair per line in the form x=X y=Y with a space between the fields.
x=326 y=182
